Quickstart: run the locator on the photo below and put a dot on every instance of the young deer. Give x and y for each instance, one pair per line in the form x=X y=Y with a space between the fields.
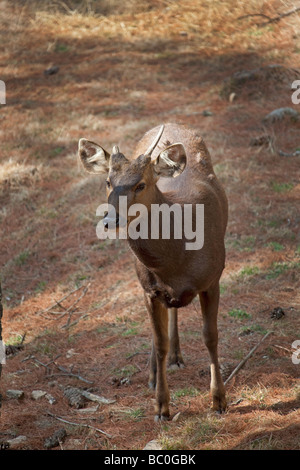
x=176 y=172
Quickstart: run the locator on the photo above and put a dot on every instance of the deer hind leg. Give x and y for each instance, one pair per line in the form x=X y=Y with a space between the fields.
x=209 y=305
x=175 y=359
x=158 y=364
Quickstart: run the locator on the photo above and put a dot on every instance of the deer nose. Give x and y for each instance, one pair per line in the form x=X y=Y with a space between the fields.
x=110 y=222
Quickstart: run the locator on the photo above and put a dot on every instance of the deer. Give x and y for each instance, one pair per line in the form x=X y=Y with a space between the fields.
x=170 y=165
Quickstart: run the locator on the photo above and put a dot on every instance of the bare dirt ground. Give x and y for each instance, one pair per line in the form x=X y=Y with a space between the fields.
x=120 y=74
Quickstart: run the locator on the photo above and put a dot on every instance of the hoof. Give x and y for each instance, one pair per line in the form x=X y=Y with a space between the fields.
x=175 y=362
x=176 y=365
x=160 y=418
x=152 y=384
x=219 y=404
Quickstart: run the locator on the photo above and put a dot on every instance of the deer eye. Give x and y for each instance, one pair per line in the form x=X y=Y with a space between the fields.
x=107 y=183
x=139 y=187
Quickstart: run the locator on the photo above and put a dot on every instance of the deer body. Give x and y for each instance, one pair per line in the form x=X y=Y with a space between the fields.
x=179 y=172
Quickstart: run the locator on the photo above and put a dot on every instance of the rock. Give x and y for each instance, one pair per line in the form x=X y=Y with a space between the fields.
x=15 y=394
x=206 y=113
x=50 y=398
x=51 y=70
x=153 y=445
x=56 y=438
x=14 y=443
x=282 y=113
x=38 y=394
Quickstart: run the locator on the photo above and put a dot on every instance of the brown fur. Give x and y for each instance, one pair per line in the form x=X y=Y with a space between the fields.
x=170 y=275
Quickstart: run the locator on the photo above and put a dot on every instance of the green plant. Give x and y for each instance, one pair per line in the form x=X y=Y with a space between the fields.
x=185 y=392
x=249 y=271
x=276 y=246
x=239 y=313
x=276 y=270
x=281 y=187
x=21 y=259
x=136 y=414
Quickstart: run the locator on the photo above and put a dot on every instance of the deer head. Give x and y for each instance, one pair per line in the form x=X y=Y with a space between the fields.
x=136 y=179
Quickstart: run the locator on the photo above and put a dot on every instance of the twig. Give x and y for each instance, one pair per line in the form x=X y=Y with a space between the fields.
x=136 y=353
x=69 y=325
x=45 y=365
x=70 y=310
x=240 y=365
x=71 y=374
x=58 y=302
x=286 y=154
x=269 y=19
x=67 y=310
x=79 y=424
x=283 y=348
x=79 y=298
x=62 y=369
x=254 y=14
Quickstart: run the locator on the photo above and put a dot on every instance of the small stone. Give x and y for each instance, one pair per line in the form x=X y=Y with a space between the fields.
x=206 y=113
x=282 y=113
x=153 y=445
x=15 y=394
x=50 y=398
x=51 y=70
x=13 y=443
x=71 y=353
x=38 y=394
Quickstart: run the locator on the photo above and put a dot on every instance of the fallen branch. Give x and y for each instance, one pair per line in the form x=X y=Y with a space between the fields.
x=58 y=302
x=286 y=154
x=275 y=19
x=243 y=362
x=71 y=374
x=254 y=14
x=67 y=310
x=65 y=372
x=79 y=424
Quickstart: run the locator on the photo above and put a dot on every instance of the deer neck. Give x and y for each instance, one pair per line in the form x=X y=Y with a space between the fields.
x=157 y=254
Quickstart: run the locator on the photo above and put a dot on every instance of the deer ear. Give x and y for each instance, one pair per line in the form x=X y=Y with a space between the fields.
x=93 y=157
x=171 y=161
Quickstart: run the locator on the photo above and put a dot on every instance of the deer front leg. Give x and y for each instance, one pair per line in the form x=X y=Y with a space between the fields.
x=209 y=305
x=160 y=346
x=175 y=359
